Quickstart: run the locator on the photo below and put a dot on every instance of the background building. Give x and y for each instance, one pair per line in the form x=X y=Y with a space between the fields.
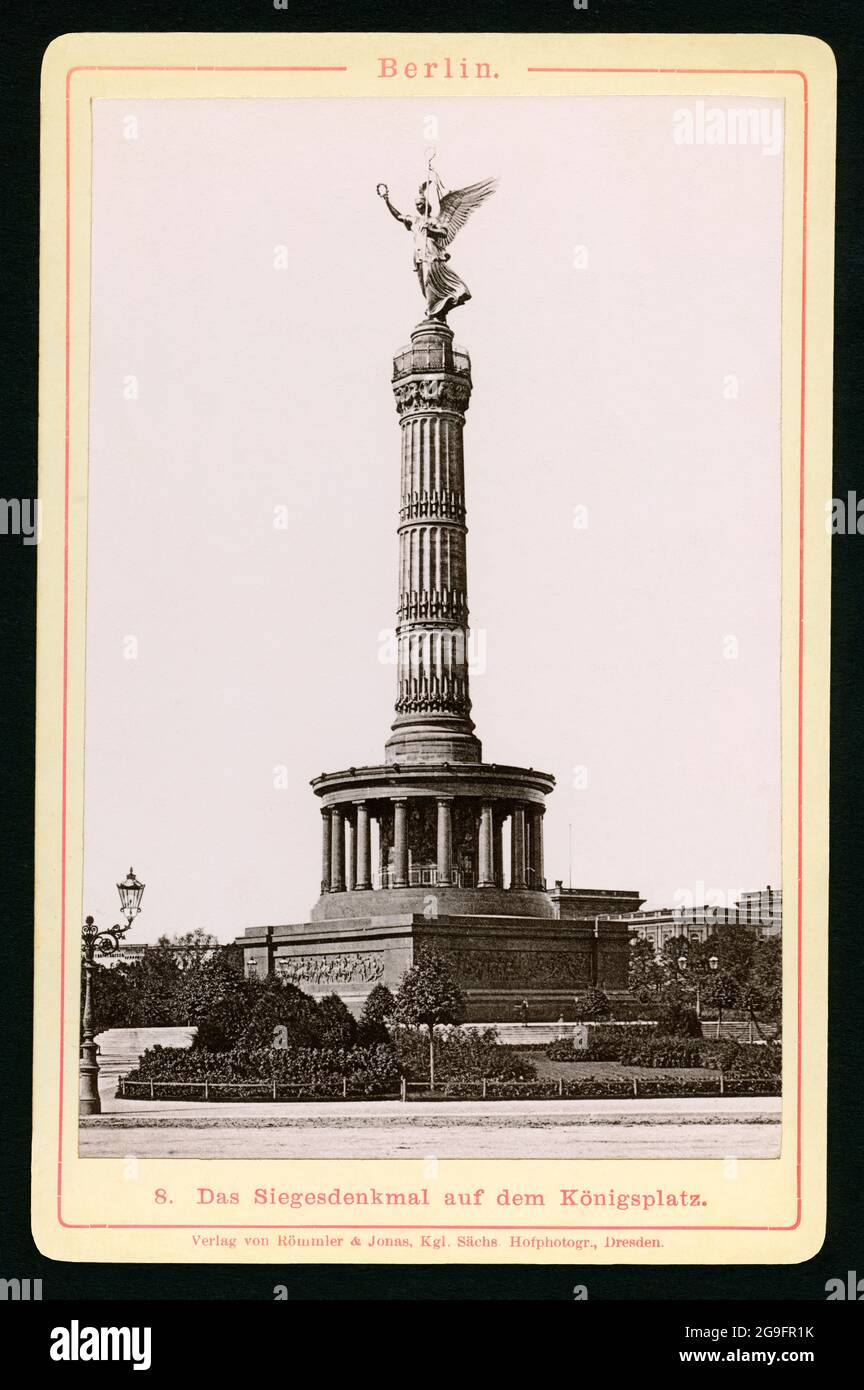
x=761 y=911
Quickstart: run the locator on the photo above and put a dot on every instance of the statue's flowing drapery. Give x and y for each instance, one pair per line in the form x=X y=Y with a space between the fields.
x=441 y=285
x=444 y=289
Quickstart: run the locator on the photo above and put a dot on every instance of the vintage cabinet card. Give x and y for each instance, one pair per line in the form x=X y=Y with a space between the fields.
x=451 y=926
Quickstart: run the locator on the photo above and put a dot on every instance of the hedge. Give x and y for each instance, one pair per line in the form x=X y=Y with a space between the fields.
x=607 y=1088
x=641 y=1046
x=605 y=1043
x=459 y=1056
x=743 y=1059
x=366 y=1070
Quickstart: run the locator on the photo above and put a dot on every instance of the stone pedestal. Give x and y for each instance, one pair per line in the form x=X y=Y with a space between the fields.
x=497 y=961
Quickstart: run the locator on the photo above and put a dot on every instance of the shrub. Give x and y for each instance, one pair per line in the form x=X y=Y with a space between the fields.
x=632 y=1011
x=378 y=1008
x=661 y=1052
x=739 y=1059
x=605 y=1043
x=678 y=1021
x=459 y=1056
x=336 y=1024
x=562 y=1050
x=593 y=1004
x=319 y=1071
x=757 y=1059
x=717 y=1053
x=248 y=1013
x=608 y=1088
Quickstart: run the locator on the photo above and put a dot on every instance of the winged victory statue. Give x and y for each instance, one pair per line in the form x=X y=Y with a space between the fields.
x=440 y=215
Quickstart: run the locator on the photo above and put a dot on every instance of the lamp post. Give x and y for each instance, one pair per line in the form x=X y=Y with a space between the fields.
x=682 y=970
x=93 y=938
x=713 y=963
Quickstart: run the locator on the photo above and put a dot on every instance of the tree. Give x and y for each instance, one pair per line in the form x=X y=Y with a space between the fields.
x=592 y=1005
x=734 y=946
x=767 y=974
x=378 y=1008
x=109 y=996
x=645 y=978
x=675 y=1019
x=762 y=993
x=722 y=990
x=207 y=975
x=192 y=948
x=337 y=1025
x=427 y=996
x=151 y=982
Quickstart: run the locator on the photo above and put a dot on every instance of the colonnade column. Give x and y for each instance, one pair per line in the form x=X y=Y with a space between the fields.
x=517 y=847
x=325 y=849
x=364 y=847
x=537 y=869
x=444 y=873
x=498 y=850
x=400 y=843
x=486 y=877
x=337 y=851
x=350 y=852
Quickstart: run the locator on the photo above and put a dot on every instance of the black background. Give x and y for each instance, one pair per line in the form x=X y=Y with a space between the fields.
x=27 y=29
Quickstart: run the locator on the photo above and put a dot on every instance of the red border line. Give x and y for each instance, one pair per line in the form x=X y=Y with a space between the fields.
x=773 y=72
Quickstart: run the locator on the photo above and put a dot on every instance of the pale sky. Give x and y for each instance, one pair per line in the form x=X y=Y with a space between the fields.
x=249 y=291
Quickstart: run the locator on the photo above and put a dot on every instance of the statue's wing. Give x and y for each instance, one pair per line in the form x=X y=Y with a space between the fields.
x=458 y=205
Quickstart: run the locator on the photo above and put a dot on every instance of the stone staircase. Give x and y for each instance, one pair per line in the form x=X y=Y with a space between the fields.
x=120 y=1049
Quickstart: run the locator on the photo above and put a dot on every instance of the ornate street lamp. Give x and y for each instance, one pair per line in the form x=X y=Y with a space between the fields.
x=130 y=891
x=713 y=963
x=94 y=939
x=682 y=967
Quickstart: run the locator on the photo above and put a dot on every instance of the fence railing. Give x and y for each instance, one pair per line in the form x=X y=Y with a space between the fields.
x=421 y=876
x=207 y=1087
x=483 y=1088
x=431 y=359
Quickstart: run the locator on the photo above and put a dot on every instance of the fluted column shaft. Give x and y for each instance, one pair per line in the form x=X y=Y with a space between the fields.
x=350 y=856
x=486 y=877
x=400 y=844
x=432 y=386
x=337 y=851
x=364 y=847
x=498 y=850
x=517 y=847
x=537 y=866
x=444 y=841
x=325 y=849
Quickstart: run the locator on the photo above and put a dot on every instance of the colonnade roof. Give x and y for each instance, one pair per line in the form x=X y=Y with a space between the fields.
x=484 y=781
